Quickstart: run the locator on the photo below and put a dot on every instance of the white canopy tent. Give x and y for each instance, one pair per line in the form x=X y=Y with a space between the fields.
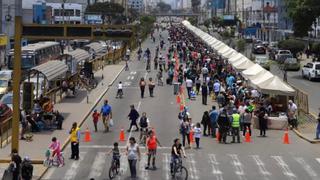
x=236 y=57
x=243 y=64
x=253 y=71
x=276 y=86
x=230 y=54
x=225 y=51
x=260 y=78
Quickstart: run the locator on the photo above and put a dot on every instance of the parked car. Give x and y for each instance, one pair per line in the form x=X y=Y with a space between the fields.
x=263 y=61
x=272 y=53
x=292 y=64
x=282 y=55
x=5 y=81
x=259 y=49
x=311 y=70
x=7 y=99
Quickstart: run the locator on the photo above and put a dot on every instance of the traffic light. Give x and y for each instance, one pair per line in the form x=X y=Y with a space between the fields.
x=27 y=95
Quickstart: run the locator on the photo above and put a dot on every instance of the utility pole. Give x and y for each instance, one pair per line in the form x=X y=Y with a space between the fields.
x=16 y=75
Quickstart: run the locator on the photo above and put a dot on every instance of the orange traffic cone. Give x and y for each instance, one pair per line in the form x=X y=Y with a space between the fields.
x=87 y=136
x=286 y=137
x=247 y=136
x=217 y=135
x=121 y=136
x=178 y=99
x=181 y=107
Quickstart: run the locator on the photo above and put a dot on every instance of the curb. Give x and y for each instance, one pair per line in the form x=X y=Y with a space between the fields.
x=298 y=133
x=84 y=119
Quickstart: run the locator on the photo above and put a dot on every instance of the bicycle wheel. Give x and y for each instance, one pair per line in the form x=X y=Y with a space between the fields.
x=181 y=173
x=47 y=163
x=112 y=172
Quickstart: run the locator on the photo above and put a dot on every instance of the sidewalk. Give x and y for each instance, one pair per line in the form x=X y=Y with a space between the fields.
x=73 y=110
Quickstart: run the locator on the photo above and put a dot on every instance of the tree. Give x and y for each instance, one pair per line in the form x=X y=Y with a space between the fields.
x=193 y=20
x=164 y=7
x=207 y=23
x=316 y=50
x=303 y=14
x=195 y=5
x=295 y=46
x=241 y=44
x=106 y=9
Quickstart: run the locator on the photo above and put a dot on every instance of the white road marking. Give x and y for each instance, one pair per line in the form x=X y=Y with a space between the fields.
x=128 y=77
x=98 y=165
x=111 y=146
x=238 y=166
x=306 y=167
x=73 y=170
x=138 y=107
x=144 y=173
x=166 y=167
x=318 y=159
x=132 y=77
x=194 y=173
x=285 y=167
x=133 y=72
x=215 y=167
x=123 y=164
x=262 y=167
x=145 y=76
x=126 y=84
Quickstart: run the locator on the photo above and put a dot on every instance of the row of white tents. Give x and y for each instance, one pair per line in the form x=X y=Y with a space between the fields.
x=256 y=75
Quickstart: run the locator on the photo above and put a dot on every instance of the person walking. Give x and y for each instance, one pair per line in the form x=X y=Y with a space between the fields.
x=246 y=120
x=204 y=93
x=142 y=85
x=235 y=126
x=151 y=85
x=197 y=134
x=15 y=164
x=318 y=128
x=224 y=125
x=106 y=112
x=95 y=119
x=292 y=114
x=216 y=88
x=133 y=154
x=152 y=142
x=262 y=121
x=185 y=131
x=198 y=85
x=213 y=121
x=24 y=124
x=74 y=139
x=133 y=116
x=26 y=169
x=189 y=85
x=206 y=123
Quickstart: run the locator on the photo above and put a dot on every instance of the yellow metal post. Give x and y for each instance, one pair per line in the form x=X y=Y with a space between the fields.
x=16 y=83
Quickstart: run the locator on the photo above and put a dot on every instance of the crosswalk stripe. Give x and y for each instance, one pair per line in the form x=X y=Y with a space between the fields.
x=194 y=173
x=72 y=171
x=261 y=165
x=166 y=165
x=318 y=159
x=285 y=167
x=98 y=165
x=238 y=166
x=142 y=165
x=215 y=167
x=306 y=166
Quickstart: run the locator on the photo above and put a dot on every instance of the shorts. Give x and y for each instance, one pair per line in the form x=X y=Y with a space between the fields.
x=152 y=152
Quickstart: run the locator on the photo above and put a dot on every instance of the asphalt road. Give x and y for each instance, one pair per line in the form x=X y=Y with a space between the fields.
x=264 y=158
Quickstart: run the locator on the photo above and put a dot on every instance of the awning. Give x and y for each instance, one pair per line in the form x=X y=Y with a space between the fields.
x=243 y=64
x=253 y=71
x=236 y=58
x=97 y=47
x=229 y=54
x=79 y=54
x=276 y=86
x=52 y=69
x=260 y=78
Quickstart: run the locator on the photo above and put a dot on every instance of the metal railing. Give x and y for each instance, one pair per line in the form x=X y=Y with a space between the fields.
x=5 y=132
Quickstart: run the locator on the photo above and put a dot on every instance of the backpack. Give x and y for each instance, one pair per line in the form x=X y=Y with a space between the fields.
x=143 y=122
x=27 y=170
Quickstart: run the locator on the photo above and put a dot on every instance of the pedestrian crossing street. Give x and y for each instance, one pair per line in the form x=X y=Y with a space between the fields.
x=199 y=165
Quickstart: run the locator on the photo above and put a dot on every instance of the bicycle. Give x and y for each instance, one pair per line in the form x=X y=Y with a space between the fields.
x=179 y=171
x=119 y=93
x=114 y=170
x=53 y=161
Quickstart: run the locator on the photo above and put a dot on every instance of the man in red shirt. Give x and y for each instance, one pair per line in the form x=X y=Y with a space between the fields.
x=95 y=118
x=152 y=143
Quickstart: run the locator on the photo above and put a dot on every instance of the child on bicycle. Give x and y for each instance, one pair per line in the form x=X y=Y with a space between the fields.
x=115 y=154
x=120 y=91
x=56 y=150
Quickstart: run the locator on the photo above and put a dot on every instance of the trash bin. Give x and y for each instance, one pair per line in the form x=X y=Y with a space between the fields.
x=176 y=86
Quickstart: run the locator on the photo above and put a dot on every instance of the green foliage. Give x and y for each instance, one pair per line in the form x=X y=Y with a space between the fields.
x=105 y=8
x=304 y=14
x=226 y=34
x=164 y=7
x=193 y=20
x=207 y=23
x=146 y=24
x=195 y=5
x=241 y=44
x=315 y=48
x=295 y=46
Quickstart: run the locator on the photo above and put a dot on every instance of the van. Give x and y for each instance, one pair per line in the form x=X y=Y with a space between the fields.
x=5 y=81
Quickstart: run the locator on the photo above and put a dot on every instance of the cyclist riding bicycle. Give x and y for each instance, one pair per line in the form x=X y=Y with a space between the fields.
x=56 y=150
x=144 y=124
x=120 y=91
x=139 y=54
x=115 y=154
x=176 y=152
x=128 y=52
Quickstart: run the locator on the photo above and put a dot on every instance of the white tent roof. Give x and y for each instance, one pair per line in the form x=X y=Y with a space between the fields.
x=275 y=86
x=225 y=50
x=253 y=71
x=236 y=57
x=243 y=64
x=230 y=54
x=221 y=47
x=260 y=78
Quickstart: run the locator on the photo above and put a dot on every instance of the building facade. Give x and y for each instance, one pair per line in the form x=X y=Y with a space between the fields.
x=137 y=5
x=71 y=13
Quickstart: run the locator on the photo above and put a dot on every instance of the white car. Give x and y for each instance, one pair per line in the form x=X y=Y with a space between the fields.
x=281 y=55
x=311 y=70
